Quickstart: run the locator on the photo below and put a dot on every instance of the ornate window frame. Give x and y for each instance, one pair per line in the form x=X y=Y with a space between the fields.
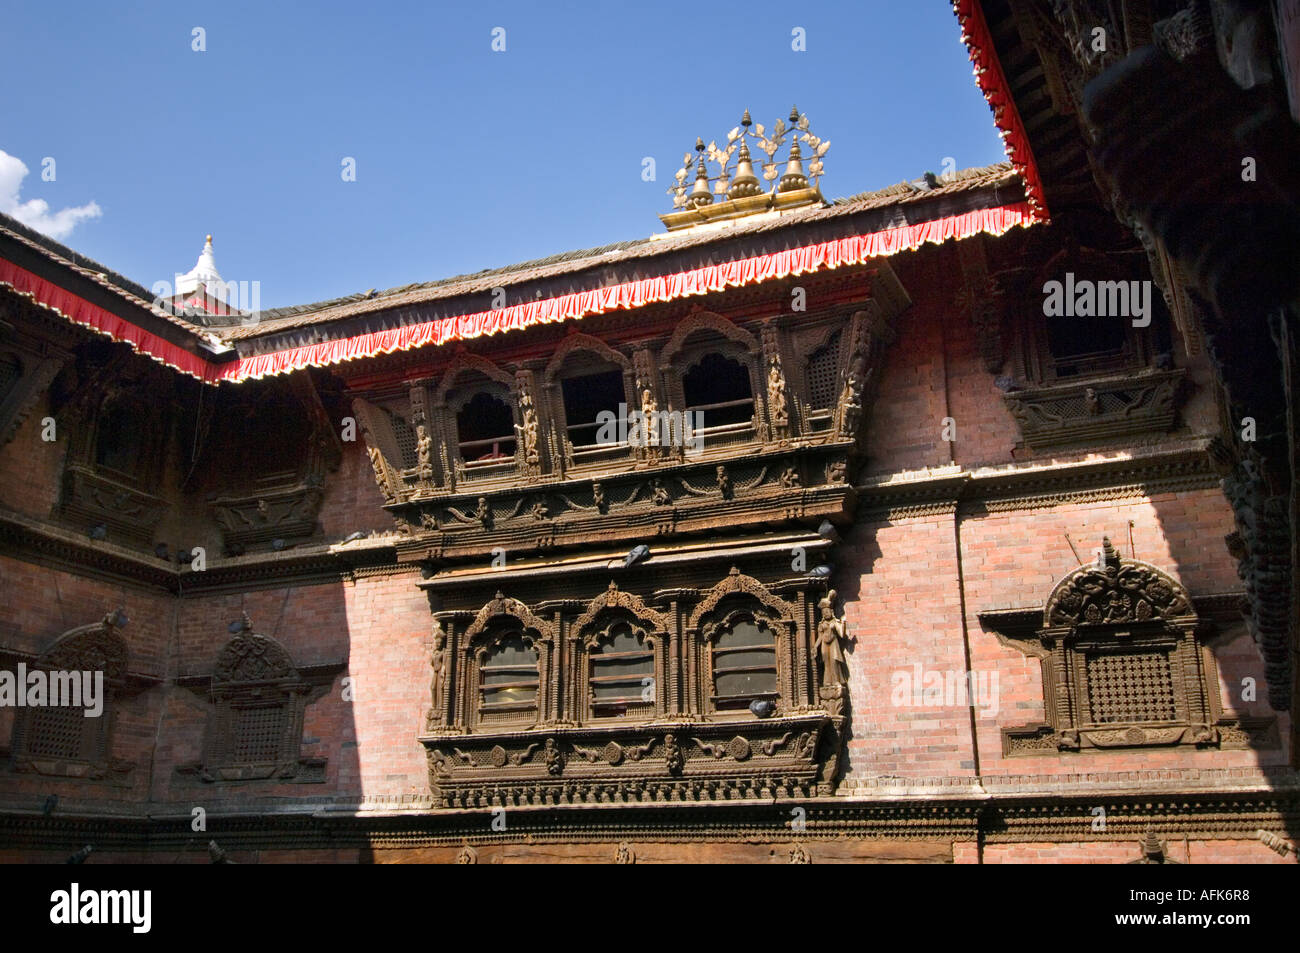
x=690 y=343
x=577 y=355
x=738 y=595
x=1123 y=608
x=608 y=609
x=254 y=672
x=500 y=618
x=1132 y=395
x=462 y=382
x=98 y=647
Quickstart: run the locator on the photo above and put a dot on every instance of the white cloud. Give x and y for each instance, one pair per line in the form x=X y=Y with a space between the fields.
x=35 y=213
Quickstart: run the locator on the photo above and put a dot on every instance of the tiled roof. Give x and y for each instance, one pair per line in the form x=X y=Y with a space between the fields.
x=129 y=290
x=904 y=193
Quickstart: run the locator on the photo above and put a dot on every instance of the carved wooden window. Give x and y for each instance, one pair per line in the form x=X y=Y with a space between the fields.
x=621 y=680
x=508 y=680
x=744 y=662
x=256 y=731
x=1128 y=686
x=1123 y=665
x=718 y=389
x=586 y=397
x=404 y=437
x=823 y=377
x=118 y=436
x=485 y=430
x=60 y=739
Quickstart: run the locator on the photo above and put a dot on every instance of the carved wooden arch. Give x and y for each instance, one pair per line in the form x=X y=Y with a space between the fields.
x=707 y=321
x=614 y=599
x=1118 y=590
x=465 y=361
x=711 y=629
x=503 y=606
x=88 y=648
x=737 y=583
x=249 y=657
x=583 y=342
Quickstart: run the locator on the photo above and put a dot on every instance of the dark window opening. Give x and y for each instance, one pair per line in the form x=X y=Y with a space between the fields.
x=11 y=371
x=117 y=438
x=718 y=389
x=586 y=397
x=1081 y=345
x=486 y=430
x=622 y=669
x=744 y=665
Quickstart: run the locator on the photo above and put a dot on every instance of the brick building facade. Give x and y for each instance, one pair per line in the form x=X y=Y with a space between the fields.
x=941 y=579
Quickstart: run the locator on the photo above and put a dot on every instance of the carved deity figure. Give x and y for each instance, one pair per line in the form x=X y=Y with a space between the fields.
x=439 y=664
x=674 y=757
x=851 y=403
x=554 y=757
x=424 y=450
x=830 y=643
x=790 y=478
x=661 y=497
x=598 y=498
x=776 y=394
x=529 y=414
x=724 y=484
x=483 y=512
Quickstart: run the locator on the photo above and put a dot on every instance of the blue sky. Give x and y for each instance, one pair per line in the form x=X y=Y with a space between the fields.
x=466 y=158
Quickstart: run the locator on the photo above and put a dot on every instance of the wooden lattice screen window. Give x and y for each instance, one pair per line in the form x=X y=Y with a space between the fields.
x=60 y=740
x=1124 y=665
x=823 y=378
x=1129 y=687
x=404 y=435
x=256 y=729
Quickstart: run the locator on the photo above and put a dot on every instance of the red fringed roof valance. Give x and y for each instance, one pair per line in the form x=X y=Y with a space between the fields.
x=853 y=250
x=993 y=83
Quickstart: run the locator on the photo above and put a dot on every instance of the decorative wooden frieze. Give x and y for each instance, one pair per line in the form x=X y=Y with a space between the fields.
x=1097 y=409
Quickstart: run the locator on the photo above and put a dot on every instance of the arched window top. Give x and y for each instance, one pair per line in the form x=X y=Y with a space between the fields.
x=703 y=325
x=1112 y=589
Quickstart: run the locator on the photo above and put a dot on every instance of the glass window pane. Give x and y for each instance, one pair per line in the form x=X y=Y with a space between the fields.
x=746 y=632
x=746 y=683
